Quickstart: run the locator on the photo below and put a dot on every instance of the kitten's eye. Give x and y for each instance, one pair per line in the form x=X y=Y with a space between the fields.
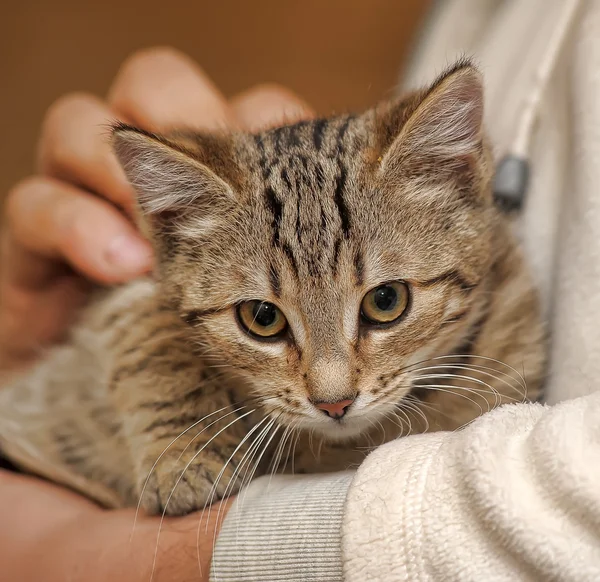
x=261 y=319
x=385 y=303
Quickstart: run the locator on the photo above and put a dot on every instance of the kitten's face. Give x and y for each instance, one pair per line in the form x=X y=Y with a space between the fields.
x=320 y=262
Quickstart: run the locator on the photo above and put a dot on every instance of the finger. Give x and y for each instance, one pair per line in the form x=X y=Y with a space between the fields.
x=52 y=219
x=267 y=106
x=75 y=147
x=161 y=89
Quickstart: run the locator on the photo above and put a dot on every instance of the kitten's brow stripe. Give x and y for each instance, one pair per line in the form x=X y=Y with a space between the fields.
x=453 y=318
x=454 y=276
x=342 y=133
x=298 y=220
x=290 y=255
x=194 y=316
x=320 y=175
x=319 y=126
x=276 y=210
x=340 y=185
x=278 y=134
x=359 y=268
x=262 y=163
x=286 y=178
x=275 y=281
x=469 y=342
x=336 y=255
x=294 y=134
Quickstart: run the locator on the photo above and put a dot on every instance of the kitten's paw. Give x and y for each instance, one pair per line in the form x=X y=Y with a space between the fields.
x=174 y=493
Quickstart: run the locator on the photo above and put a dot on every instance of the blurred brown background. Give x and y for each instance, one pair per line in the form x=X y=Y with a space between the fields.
x=338 y=54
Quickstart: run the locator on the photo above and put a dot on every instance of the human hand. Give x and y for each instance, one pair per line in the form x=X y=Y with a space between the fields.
x=70 y=225
x=48 y=533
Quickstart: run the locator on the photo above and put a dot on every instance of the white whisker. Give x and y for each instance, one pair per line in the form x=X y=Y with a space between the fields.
x=181 y=477
x=139 y=504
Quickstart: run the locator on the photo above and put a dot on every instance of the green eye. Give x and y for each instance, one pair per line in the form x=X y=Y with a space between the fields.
x=385 y=303
x=261 y=319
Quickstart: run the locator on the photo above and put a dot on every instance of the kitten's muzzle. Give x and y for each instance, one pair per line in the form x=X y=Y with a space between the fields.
x=335 y=410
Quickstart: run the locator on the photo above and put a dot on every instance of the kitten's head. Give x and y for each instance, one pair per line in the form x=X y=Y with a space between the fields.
x=320 y=261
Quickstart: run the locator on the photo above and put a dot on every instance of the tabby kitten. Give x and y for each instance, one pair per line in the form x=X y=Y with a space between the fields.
x=342 y=281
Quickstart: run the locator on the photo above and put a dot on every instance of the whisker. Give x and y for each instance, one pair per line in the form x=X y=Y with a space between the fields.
x=409 y=367
x=294 y=452
x=447 y=388
x=265 y=448
x=291 y=440
x=484 y=370
x=310 y=442
x=139 y=504
x=429 y=405
x=210 y=499
x=393 y=417
x=498 y=396
x=319 y=449
x=408 y=421
x=367 y=435
x=490 y=388
x=246 y=459
x=242 y=498
x=413 y=407
x=213 y=489
x=162 y=518
x=444 y=388
x=207 y=427
x=279 y=450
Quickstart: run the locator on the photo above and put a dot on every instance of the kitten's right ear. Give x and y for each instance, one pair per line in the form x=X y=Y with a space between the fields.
x=166 y=177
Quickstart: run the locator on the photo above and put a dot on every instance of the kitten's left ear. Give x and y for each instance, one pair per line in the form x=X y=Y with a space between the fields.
x=445 y=128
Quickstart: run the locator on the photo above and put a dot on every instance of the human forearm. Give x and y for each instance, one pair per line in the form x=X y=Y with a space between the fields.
x=48 y=533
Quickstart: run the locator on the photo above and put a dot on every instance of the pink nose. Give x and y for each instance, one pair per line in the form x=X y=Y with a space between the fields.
x=334 y=409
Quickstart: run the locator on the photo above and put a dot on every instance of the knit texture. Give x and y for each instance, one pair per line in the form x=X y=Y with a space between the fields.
x=284 y=529
x=513 y=497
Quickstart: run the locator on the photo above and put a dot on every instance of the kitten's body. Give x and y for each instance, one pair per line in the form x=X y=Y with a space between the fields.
x=308 y=217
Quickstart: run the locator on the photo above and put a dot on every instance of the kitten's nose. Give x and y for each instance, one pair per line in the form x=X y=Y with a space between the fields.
x=334 y=409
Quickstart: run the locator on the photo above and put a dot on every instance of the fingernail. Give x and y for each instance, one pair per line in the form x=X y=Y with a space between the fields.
x=129 y=253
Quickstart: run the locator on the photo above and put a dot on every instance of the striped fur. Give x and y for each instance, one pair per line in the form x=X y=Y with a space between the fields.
x=309 y=217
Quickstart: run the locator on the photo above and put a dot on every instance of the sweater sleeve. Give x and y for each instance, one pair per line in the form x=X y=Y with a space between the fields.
x=514 y=496
x=284 y=528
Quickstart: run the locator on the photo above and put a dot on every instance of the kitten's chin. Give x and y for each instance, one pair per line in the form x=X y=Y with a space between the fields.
x=341 y=430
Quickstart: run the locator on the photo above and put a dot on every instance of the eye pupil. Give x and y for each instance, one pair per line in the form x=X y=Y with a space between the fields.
x=261 y=319
x=386 y=303
x=264 y=314
x=385 y=298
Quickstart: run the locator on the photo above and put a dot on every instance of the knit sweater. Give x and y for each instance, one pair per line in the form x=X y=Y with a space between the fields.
x=516 y=495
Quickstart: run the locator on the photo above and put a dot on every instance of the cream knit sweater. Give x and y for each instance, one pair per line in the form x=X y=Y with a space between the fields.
x=516 y=495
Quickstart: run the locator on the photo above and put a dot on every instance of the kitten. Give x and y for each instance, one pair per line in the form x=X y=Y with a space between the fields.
x=343 y=281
